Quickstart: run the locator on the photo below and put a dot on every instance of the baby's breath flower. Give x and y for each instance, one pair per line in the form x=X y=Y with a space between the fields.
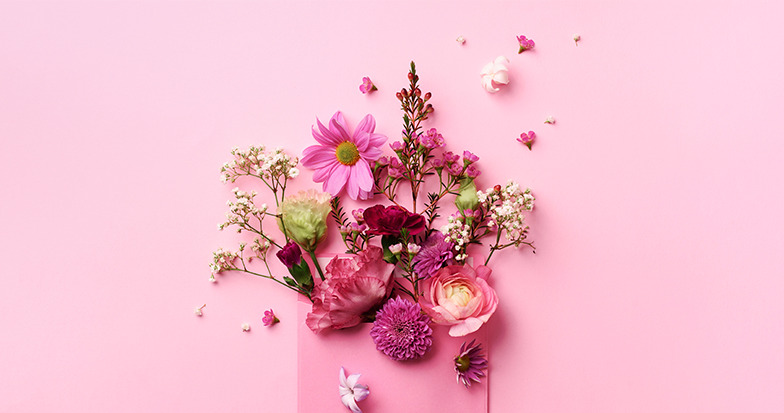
x=257 y=161
x=198 y=311
x=245 y=327
x=505 y=207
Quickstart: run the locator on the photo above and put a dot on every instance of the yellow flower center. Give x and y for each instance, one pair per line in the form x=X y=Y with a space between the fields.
x=347 y=153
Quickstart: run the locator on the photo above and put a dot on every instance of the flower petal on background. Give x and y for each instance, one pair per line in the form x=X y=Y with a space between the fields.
x=367 y=124
x=337 y=179
x=363 y=176
x=467 y=326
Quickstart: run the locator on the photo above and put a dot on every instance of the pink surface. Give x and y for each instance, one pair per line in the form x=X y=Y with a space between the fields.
x=393 y=385
x=657 y=283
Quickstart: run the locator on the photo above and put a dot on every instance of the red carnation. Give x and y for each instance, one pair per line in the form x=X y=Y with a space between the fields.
x=390 y=220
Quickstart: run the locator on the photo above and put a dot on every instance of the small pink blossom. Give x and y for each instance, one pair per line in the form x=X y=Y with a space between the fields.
x=269 y=318
x=469 y=157
x=527 y=139
x=525 y=44
x=351 y=391
x=367 y=86
x=472 y=171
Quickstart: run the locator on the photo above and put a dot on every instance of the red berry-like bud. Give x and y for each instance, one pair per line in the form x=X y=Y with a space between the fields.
x=410 y=76
x=417 y=92
x=497 y=188
x=428 y=96
x=399 y=96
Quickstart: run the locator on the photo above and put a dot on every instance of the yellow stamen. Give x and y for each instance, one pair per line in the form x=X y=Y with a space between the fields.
x=347 y=153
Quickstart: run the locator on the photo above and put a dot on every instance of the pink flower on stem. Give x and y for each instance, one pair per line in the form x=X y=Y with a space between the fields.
x=269 y=318
x=525 y=44
x=527 y=139
x=341 y=159
x=367 y=86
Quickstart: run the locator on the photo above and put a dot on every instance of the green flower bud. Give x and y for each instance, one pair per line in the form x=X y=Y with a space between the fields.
x=304 y=218
x=467 y=198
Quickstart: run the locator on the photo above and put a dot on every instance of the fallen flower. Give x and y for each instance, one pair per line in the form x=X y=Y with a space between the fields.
x=198 y=310
x=460 y=39
x=269 y=318
x=245 y=327
x=352 y=392
x=495 y=74
x=367 y=86
x=576 y=39
x=527 y=139
x=525 y=44
x=550 y=120
x=470 y=363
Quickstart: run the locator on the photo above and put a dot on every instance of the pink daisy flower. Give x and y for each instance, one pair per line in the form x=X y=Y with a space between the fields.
x=343 y=159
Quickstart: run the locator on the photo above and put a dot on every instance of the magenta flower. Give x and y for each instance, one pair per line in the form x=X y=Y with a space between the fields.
x=290 y=255
x=367 y=85
x=435 y=252
x=470 y=363
x=352 y=287
x=525 y=44
x=401 y=330
x=269 y=318
x=342 y=159
x=390 y=220
x=527 y=139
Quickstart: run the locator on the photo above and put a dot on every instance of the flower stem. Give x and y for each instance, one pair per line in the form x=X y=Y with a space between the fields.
x=316 y=263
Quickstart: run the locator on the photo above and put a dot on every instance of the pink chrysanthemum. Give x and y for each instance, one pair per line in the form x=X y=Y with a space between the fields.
x=342 y=159
x=401 y=330
x=470 y=363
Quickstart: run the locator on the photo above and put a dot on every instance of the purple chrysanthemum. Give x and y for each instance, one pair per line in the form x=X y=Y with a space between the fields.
x=470 y=363
x=401 y=330
x=434 y=253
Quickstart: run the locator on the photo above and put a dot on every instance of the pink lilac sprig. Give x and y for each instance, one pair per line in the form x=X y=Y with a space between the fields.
x=367 y=86
x=525 y=44
x=527 y=139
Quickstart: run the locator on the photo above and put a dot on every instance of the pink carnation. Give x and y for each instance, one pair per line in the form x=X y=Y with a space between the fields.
x=353 y=286
x=459 y=296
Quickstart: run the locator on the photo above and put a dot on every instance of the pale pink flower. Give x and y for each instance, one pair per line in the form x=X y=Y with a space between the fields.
x=367 y=85
x=353 y=286
x=459 y=296
x=351 y=391
x=527 y=139
x=342 y=159
x=495 y=74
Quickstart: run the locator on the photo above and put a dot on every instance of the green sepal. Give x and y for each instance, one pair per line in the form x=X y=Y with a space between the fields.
x=386 y=242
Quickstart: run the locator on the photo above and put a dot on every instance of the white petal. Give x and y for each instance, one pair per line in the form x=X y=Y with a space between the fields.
x=501 y=61
x=361 y=392
x=487 y=69
x=352 y=380
x=501 y=77
x=348 y=401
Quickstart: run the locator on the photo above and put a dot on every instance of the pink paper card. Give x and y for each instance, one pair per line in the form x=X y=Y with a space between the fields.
x=425 y=385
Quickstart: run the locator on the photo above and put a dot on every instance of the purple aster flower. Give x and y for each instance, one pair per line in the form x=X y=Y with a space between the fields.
x=401 y=330
x=269 y=318
x=434 y=254
x=470 y=363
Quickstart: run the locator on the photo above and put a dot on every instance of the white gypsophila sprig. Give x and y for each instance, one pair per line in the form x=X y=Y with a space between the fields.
x=243 y=210
x=256 y=161
x=223 y=260
x=505 y=207
x=458 y=232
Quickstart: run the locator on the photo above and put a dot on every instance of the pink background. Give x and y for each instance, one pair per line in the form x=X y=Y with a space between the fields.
x=657 y=284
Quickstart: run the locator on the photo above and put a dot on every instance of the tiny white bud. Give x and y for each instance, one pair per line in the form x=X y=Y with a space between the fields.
x=460 y=39
x=576 y=39
x=395 y=249
x=550 y=120
x=245 y=327
x=198 y=310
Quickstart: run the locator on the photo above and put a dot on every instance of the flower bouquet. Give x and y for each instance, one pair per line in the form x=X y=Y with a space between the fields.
x=417 y=250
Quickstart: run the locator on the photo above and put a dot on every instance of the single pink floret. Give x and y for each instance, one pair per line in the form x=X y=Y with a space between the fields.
x=367 y=85
x=527 y=139
x=342 y=160
x=525 y=44
x=269 y=318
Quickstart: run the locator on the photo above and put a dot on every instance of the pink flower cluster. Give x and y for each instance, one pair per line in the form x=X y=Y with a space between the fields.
x=527 y=139
x=451 y=163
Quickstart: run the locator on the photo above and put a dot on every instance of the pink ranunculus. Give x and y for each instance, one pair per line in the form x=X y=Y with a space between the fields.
x=353 y=286
x=459 y=295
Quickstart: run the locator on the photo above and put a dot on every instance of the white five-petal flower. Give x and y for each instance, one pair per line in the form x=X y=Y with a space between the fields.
x=495 y=74
x=351 y=392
